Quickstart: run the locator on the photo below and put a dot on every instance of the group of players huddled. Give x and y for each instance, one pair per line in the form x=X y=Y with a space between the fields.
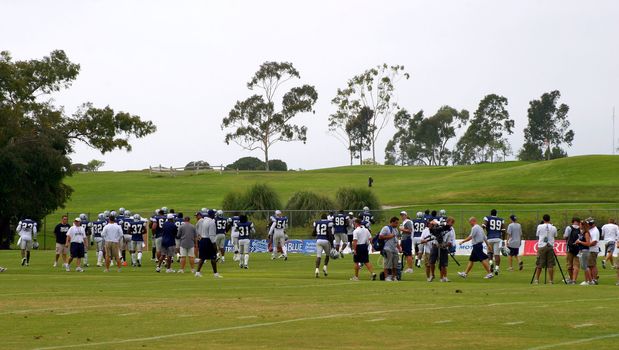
x=428 y=239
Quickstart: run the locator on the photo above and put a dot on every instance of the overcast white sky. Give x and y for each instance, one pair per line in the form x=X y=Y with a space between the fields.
x=183 y=64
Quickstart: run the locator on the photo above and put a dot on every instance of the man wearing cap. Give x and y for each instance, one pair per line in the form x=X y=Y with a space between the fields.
x=513 y=242
x=406 y=229
x=208 y=250
x=594 y=250
x=168 y=243
x=76 y=236
x=112 y=234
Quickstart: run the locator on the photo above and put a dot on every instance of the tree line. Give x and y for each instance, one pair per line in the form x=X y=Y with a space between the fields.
x=368 y=102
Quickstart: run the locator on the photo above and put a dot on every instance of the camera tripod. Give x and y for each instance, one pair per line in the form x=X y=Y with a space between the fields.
x=546 y=269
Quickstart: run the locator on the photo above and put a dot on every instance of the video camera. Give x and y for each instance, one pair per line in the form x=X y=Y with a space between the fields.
x=438 y=234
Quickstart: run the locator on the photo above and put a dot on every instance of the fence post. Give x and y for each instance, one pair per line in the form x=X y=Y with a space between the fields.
x=44 y=233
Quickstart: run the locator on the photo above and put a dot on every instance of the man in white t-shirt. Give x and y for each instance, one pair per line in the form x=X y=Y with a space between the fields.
x=546 y=233
x=112 y=234
x=361 y=238
x=594 y=250
x=76 y=237
x=610 y=233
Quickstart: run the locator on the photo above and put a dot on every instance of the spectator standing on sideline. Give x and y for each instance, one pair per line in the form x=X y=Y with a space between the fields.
x=60 y=231
x=440 y=251
x=207 y=231
x=594 y=250
x=390 y=251
x=112 y=234
x=514 y=240
x=187 y=235
x=546 y=233
x=571 y=235
x=370 y=181
x=76 y=237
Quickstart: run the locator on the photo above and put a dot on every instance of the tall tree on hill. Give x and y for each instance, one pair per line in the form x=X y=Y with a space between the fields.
x=359 y=130
x=425 y=141
x=373 y=89
x=548 y=129
x=403 y=149
x=255 y=123
x=37 y=137
x=485 y=136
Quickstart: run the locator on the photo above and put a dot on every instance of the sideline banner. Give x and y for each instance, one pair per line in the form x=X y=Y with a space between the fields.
x=308 y=246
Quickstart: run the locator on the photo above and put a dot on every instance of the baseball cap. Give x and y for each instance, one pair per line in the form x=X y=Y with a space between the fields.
x=590 y=220
x=403 y=212
x=210 y=213
x=171 y=216
x=199 y=213
x=78 y=220
x=513 y=217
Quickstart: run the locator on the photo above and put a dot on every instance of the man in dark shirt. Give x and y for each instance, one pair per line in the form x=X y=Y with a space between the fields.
x=168 y=243
x=60 y=231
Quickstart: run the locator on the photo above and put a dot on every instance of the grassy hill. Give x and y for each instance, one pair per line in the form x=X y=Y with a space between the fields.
x=589 y=181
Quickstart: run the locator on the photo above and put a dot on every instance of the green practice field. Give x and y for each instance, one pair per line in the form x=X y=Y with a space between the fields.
x=279 y=304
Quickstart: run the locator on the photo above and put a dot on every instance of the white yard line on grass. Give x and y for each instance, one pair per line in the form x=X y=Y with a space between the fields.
x=376 y=319
x=443 y=321
x=583 y=325
x=578 y=341
x=301 y=319
x=70 y=309
x=513 y=323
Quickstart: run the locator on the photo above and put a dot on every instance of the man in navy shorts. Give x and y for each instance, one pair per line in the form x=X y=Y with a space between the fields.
x=477 y=238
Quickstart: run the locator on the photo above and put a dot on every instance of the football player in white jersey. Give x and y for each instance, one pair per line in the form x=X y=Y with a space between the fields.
x=27 y=231
x=278 y=232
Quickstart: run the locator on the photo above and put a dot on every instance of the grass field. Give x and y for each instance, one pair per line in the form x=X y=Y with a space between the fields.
x=277 y=304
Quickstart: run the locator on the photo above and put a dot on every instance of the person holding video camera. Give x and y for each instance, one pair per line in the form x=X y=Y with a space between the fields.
x=546 y=233
x=443 y=237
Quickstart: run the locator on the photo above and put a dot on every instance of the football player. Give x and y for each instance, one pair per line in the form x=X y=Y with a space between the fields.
x=246 y=229
x=221 y=227
x=495 y=227
x=340 y=229
x=178 y=221
x=350 y=227
x=157 y=228
x=427 y=216
x=366 y=217
x=323 y=230
x=87 y=226
x=125 y=224
x=138 y=236
x=97 y=228
x=27 y=231
x=153 y=219
x=278 y=232
x=234 y=235
x=442 y=216
x=419 y=224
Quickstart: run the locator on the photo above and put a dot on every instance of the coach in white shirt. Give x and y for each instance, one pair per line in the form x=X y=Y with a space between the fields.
x=610 y=233
x=112 y=234
x=546 y=234
x=76 y=236
x=360 y=239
